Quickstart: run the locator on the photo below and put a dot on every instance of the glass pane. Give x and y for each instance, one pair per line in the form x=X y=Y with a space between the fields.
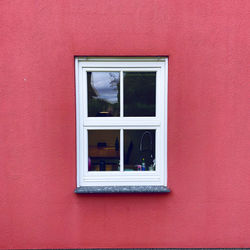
x=139 y=150
x=104 y=150
x=103 y=94
x=139 y=93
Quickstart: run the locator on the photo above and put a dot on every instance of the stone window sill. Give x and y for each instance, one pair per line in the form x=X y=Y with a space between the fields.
x=121 y=189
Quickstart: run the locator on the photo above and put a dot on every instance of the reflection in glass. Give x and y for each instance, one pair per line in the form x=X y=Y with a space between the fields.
x=103 y=94
x=139 y=93
x=139 y=150
x=103 y=150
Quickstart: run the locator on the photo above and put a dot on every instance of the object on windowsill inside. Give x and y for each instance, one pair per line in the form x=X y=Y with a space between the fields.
x=103 y=114
x=101 y=144
x=106 y=152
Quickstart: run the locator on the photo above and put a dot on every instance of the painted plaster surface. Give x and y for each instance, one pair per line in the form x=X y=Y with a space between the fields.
x=208 y=131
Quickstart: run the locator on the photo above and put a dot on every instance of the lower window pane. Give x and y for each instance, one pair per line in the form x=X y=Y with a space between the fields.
x=139 y=150
x=103 y=150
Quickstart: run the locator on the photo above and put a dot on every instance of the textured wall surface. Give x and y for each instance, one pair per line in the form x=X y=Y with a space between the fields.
x=208 y=132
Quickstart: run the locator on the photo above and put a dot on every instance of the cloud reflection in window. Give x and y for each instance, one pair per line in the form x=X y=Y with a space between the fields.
x=105 y=86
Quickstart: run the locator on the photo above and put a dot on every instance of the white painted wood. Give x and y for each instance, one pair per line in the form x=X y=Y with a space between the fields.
x=122 y=59
x=118 y=66
x=77 y=123
x=121 y=95
x=165 y=123
x=119 y=69
x=117 y=122
x=121 y=150
x=85 y=123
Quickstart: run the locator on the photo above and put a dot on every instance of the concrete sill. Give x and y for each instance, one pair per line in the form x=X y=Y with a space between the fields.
x=121 y=189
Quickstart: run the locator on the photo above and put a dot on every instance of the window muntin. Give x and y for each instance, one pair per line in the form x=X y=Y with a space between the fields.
x=153 y=122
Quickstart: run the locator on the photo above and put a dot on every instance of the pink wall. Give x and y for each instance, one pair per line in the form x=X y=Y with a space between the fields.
x=208 y=135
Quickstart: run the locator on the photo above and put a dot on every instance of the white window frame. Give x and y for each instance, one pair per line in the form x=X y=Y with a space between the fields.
x=159 y=122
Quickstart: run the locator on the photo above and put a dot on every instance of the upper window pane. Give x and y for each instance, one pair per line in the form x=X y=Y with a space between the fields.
x=139 y=93
x=103 y=94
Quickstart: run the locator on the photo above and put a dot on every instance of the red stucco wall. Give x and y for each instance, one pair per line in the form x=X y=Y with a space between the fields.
x=208 y=131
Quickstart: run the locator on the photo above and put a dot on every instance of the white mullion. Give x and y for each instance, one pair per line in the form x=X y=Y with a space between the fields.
x=121 y=95
x=120 y=122
x=121 y=151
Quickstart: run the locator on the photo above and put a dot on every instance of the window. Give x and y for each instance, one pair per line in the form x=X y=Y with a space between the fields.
x=121 y=111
